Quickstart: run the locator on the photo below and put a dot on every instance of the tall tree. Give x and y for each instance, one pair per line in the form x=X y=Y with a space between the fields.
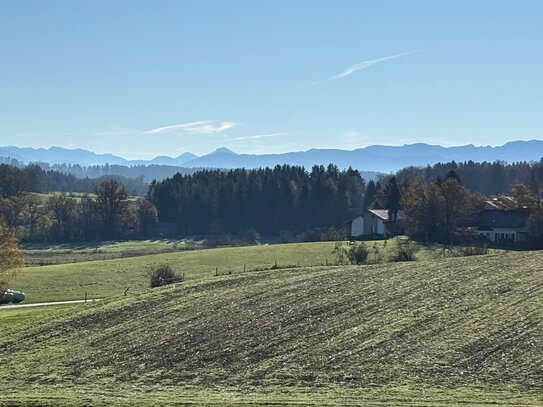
x=455 y=199
x=10 y=256
x=63 y=211
x=112 y=207
x=147 y=215
x=534 y=182
x=393 y=198
x=369 y=196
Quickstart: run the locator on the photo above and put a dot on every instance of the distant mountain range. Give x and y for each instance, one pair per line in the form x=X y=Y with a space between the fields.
x=373 y=158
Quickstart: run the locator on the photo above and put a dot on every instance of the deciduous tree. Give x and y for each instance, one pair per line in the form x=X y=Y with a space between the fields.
x=10 y=256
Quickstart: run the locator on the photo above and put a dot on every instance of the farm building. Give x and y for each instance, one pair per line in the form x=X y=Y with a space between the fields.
x=503 y=225
x=375 y=222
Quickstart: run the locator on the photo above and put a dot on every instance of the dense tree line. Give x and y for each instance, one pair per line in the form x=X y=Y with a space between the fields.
x=33 y=178
x=433 y=201
x=267 y=200
x=143 y=173
x=484 y=177
x=107 y=213
x=435 y=210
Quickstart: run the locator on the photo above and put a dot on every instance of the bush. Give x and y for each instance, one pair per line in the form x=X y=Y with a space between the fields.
x=162 y=275
x=404 y=251
x=376 y=256
x=358 y=254
x=477 y=249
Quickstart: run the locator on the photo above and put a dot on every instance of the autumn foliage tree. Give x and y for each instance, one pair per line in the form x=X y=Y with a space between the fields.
x=10 y=256
x=434 y=211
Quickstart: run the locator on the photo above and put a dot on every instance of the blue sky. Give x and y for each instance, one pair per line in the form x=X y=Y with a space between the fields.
x=146 y=78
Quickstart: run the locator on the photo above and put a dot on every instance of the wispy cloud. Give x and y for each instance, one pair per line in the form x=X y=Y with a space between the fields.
x=358 y=66
x=199 y=127
x=258 y=136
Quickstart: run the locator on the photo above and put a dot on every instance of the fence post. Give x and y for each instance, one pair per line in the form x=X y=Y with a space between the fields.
x=85 y=297
x=244 y=268
x=216 y=271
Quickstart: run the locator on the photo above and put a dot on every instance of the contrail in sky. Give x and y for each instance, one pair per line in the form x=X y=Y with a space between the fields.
x=358 y=66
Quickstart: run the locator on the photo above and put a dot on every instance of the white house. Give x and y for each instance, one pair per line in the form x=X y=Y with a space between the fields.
x=374 y=222
x=503 y=225
x=357 y=226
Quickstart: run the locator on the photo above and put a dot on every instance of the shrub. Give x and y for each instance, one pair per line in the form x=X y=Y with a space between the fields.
x=340 y=252
x=162 y=275
x=404 y=251
x=376 y=256
x=474 y=250
x=358 y=254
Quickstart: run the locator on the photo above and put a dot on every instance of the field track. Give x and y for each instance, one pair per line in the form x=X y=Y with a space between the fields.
x=45 y=304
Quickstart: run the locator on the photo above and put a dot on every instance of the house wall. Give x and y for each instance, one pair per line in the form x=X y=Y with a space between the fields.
x=380 y=226
x=499 y=234
x=373 y=225
x=357 y=227
x=369 y=222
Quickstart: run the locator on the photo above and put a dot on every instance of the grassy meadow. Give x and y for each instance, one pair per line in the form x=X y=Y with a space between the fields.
x=105 y=278
x=49 y=254
x=455 y=331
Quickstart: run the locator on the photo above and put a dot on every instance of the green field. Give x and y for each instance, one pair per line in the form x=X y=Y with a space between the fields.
x=26 y=317
x=457 y=331
x=49 y=254
x=105 y=278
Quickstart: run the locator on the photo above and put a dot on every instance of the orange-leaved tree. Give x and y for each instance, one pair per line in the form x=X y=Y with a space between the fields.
x=11 y=257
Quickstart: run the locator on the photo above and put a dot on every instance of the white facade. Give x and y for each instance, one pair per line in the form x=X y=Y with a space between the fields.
x=357 y=226
x=497 y=235
x=380 y=227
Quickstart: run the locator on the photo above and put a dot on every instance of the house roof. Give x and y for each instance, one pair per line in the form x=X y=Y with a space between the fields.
x=383 y=214
x=380 y=213
x=502 y=218
x=501 y=202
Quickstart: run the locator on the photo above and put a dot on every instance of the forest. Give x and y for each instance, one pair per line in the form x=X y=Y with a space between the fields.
x=16 y=179
x=286 y=201
x=267 y=200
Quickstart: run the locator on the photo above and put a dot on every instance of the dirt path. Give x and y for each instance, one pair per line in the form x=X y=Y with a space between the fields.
x=44 y=304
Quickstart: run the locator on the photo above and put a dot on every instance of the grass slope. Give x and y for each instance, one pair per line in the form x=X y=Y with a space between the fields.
x=105 y=278
x=441 y=332
x=39 y=254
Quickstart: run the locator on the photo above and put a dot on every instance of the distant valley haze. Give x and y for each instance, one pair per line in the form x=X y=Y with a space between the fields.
x=376 y=158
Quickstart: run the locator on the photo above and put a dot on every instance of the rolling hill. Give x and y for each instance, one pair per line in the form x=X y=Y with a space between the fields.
x=443 y=332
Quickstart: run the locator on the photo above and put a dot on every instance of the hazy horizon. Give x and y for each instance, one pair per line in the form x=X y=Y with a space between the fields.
x=148 y=158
